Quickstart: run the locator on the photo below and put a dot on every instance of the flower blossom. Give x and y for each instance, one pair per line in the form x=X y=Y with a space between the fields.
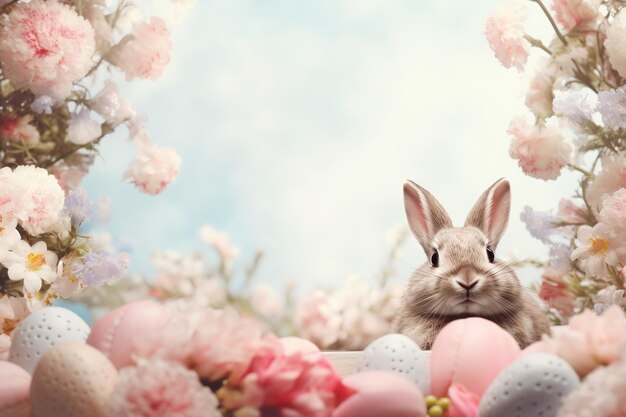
x=612 y=108
x=147 y=52
x=78 y=206
x=265 y=300
x=611 y=178
x=154 y=169
x=504 y=30
x=553 y=290
x=615 y=43
x=42 y=105
x=541 y=151
x=581 y=14
x=607 y=297
x=31 y=264
x=157 y=388
x=82 y=129
x=597 y=247
x=613 y=211
x=571 y=213
x=111 y=105
x=541 y=225
x=45 y=46
x=220 y=242
x=577 y=105
x=19 y=130
x=99 y=267
x=588 y=341
x=540 y=93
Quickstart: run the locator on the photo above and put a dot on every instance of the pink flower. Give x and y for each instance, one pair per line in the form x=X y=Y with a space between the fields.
x=554 y=291
x=220 y=241
x=615 y=43
x=504 y=30
x=610 y=179
x=463 y=403
x=582 y=14
x=285 y=382
x=147 y=52
x=571 y=213
x=111 y=105
x=541 y=151
x=589 y=341
x=71 y=171
x=158 y=388
x=45 y=46
x=154 y=169
x=613 y=212
x=540 y=94
x=19 y=130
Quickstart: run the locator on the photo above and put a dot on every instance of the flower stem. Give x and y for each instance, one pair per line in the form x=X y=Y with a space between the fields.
x=552 y=22
x=581 y=170
x=537 y=44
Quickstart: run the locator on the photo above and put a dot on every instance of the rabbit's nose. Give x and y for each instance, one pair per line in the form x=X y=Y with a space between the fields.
x=467 y=287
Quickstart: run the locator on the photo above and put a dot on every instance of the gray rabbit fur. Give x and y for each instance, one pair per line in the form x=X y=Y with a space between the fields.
x=462 y=278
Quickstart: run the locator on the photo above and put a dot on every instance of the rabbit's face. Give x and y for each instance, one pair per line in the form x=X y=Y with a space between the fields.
x=469 y=277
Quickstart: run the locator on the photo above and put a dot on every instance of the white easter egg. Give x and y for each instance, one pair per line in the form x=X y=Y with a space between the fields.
x=43 y=329
x=397 y=353
x=72 y=380
x=532 y=386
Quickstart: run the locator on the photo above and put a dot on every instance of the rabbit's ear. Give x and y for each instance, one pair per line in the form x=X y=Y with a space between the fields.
x=425 y=214
x=491 y=212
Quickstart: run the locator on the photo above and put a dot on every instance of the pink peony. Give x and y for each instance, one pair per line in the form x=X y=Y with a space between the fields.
x=580 y=14
x=45 y=46
x=615 y=43
x=147 y=52
x=504 y=30
x=154 y=169
x=589 y=341
x=613 y=212
x=463 y=403
x=553 y=290
x=541 y=151
x=610 y=179
x=19 y=130
x=285 y=382
x=158 y=388
x=220 y=242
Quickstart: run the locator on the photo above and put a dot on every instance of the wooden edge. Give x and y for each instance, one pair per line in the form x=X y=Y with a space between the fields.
x=345 y=363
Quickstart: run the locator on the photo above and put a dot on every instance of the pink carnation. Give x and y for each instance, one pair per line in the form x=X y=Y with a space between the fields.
x=287 y=382
x=504 y=30
x=610 y=179
x=146 y=54
x=158 y=388
x=589 y=341
x=154 y=169
x=541 y=151
x=19 y=130
x=45 y=46
x=583 y=14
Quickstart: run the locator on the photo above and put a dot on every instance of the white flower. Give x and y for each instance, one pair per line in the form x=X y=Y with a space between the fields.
x=82 y=129
x=220 y=241
x=265 y=300
x=540 y=224
x=540 y=92
x=612 y=107
x=596 y=247
x=615 y=43
x=577 y=105
x=154 y=169
x=613 y=212
x=42 y=105
x=567 y=58
x=607 y=297
x=111 y=105
x=9 y=235
x=12 y=311
x=31 y=264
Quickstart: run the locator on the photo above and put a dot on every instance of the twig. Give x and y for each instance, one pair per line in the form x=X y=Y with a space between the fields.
x=552 y=22
x=537 y=44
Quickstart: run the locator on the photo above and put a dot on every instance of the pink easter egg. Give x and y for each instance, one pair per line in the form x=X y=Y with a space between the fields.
x=14 y=386
x=378 y=394
x=115 y=334
x=470 y=352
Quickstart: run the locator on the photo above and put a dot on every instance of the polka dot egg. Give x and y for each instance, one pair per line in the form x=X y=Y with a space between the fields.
x=42 y=330
x=399 y=354
x=532 y=386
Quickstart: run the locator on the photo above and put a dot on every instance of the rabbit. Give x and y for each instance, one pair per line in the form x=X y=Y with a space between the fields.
x=462 y=277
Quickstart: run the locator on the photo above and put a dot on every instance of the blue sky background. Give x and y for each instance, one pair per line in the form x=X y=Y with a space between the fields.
x=298 y=121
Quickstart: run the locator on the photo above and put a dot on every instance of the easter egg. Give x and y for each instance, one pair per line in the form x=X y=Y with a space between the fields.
x=115 y=334
x=43 y=329
x=14 y=388
x=470 y=352
x=399 y=354
x=72 y=380
x=379 y=393
x=532 y=386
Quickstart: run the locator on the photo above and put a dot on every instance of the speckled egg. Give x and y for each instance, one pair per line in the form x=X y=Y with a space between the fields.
x=470 y=352
x=43 y=329
x=72 y=380
x=532 y=386
x=115 y=334
x=399 y=354
x=14 y=387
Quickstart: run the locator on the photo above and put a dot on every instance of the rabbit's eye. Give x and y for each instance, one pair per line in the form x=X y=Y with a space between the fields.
x=490 y=255
x=434 y=259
